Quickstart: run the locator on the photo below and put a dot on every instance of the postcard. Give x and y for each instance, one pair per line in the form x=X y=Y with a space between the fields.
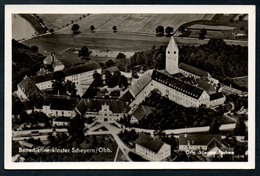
x=129 y=87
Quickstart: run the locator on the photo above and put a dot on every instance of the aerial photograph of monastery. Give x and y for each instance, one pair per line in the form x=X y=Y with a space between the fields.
x=129 y=87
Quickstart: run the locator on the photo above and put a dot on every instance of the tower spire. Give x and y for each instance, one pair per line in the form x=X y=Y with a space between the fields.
x=172 y=57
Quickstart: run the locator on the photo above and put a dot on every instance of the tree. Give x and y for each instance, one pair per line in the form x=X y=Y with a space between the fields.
x=159 y=31
x=214 y=127
x=135 y=75
x=34 y=49
x=58 y=85
x=121 y=56
x=240 y=128
x=59 y=76
x=84 y=52
x=97 y=79
x=182 y=29
x=114 y=28
x=202 y=33
x=123 y=82
x=75 y=29
x=76 y=129
x=169 y=30
x=109 y=63
x=108 y=77
x=92 y=28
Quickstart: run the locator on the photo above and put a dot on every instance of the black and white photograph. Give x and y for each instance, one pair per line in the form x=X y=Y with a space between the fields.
x=165 y=87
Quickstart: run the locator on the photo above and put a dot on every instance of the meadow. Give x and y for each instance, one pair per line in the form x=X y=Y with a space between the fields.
x=140 y=23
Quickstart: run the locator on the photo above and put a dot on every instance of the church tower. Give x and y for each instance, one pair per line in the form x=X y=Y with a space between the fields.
x=172 y=57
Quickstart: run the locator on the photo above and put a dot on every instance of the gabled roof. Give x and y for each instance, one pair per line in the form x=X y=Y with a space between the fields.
x=180 y=86
x=58 y=103
x=198 y=139
x=68 y=71
x=216 y=96
x=193 y=70
x=111 y=69
x=81 y=68
x=95 y=105
x=150 y=143
x=231 y=90
x=214 y=143
x=127 y=97
x=205 y=85
x=140 y=83
x=141 y=112
x=34 y=94
x=41 y=78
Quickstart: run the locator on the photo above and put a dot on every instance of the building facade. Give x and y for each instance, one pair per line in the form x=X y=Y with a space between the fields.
x=152 y=149
x=54 y=107
x=102 y=109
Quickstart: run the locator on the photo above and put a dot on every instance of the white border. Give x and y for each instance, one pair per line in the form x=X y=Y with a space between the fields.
x=181 y=9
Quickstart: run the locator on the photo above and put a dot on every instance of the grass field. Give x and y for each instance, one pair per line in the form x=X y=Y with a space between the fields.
x=58 y=21
x=136 y=32
x=141 y=23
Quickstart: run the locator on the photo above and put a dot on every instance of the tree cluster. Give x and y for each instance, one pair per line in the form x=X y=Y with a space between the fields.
x=153 y=58
x=218 y=58
x=128 y=136
x=59 y=86
x=33 y=118
x=169 y=115
x=115 y=79
x=25 y=61
x=160 y=31
x=237 y=101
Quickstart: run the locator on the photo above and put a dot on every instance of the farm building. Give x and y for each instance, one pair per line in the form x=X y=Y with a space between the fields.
x=152 y=149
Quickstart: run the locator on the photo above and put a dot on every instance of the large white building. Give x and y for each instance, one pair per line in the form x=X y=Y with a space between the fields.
x=81 y=75
x=102 y=109
x=152 y=149
x=185 y=85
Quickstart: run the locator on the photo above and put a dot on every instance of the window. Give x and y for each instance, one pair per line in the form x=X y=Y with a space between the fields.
x=174 y=52
x=168 y=52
